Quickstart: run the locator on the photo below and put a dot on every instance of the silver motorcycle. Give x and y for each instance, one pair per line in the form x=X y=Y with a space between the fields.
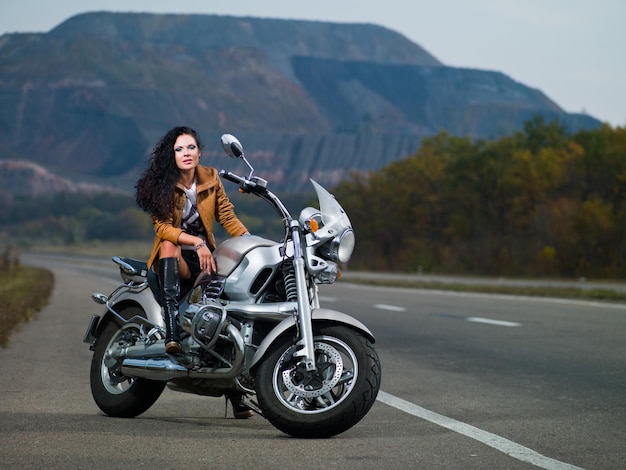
x=254 y=328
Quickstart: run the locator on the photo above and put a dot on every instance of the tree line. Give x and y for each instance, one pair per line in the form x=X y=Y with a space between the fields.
x=68 y=218
x=542 y=202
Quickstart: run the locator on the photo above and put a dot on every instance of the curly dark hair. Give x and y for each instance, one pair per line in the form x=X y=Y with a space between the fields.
x=155 y=187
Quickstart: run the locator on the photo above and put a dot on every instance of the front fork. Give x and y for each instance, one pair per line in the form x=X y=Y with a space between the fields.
x=305 y=322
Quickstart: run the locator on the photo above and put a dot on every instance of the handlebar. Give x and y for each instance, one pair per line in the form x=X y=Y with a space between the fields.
x=258 y=186
x=255 y=185
x=227 y=175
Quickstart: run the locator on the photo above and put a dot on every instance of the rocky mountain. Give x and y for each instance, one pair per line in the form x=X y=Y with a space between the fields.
x=29 y=179
x=88 y=99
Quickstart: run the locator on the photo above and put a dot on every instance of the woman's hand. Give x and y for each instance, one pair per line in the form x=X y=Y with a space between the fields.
x=207 y=262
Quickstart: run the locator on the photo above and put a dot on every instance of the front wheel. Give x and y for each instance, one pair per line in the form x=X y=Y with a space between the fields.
x=114 y=393
x=324 y=402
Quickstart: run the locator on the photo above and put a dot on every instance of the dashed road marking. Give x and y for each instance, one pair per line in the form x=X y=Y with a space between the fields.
x=391 y=308
x=489 y=321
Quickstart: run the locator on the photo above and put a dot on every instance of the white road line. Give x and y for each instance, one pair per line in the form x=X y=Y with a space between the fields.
x=489 y=321
x=506 y=446
x=392 y=308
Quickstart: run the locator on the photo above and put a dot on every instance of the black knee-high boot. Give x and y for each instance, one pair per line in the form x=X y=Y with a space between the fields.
x=169 y=277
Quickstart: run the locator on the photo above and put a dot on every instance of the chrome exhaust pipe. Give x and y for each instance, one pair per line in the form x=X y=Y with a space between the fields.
x=164 y=368
x=153 y=369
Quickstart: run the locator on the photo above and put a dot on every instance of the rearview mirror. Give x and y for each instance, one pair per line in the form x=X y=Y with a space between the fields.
x=232 y=146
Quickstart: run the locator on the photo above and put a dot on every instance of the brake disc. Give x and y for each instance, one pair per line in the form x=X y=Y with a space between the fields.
x=301 y=389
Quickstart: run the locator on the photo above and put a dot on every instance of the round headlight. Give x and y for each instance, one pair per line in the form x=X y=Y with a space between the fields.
x=341 y=247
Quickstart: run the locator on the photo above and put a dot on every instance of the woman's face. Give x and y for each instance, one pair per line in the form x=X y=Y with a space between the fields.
x=186 y=152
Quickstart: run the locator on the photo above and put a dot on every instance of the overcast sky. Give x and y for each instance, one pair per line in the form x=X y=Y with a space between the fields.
x=572 y=50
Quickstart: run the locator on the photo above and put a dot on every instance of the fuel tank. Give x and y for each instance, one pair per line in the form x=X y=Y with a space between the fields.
x=248 y=263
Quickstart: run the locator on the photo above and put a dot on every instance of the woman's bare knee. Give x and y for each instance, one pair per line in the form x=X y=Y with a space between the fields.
x=169 y=250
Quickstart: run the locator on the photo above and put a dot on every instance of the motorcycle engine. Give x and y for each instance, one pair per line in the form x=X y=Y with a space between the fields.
x=204 y=322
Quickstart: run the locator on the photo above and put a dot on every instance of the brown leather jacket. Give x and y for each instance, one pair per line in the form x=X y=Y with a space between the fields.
x=212 y=203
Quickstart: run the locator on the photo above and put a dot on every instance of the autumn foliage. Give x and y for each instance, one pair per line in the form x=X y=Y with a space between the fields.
x=541 y=202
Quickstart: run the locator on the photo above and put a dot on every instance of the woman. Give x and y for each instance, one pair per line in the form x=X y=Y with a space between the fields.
x=183 y=198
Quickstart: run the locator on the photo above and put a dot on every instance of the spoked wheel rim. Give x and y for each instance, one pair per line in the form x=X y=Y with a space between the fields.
x=113 y=380
x=318 y=391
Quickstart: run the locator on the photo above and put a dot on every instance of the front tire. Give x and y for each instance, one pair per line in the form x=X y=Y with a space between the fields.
x=115 y=394
x=327 y=401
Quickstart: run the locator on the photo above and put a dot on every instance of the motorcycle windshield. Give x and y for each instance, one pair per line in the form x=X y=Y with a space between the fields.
x=334 y=218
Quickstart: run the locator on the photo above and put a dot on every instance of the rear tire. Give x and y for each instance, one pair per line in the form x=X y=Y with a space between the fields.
x=115 y=394
x=325 y=402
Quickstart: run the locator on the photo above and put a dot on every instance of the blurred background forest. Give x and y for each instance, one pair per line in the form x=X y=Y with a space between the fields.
x=541 y=202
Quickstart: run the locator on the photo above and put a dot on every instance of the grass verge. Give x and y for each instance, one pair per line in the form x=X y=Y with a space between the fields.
x=594 y=294
x=24 y=290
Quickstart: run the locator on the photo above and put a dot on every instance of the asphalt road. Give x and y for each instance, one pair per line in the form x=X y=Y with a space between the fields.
x=469 y=382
